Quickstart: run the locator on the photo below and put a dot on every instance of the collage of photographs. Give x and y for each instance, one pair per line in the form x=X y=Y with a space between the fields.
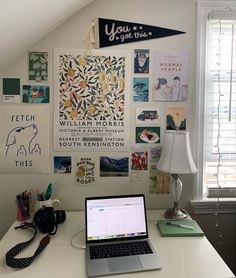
x=91 y=113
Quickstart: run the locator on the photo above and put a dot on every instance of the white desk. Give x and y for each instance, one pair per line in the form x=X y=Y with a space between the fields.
x=182 y=257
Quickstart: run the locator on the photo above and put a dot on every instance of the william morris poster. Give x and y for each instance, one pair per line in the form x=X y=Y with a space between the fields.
x=91 y=92
x=24 y=140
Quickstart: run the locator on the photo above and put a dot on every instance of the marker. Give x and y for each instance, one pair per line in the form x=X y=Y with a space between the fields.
x=180 y=225
x=48 y=191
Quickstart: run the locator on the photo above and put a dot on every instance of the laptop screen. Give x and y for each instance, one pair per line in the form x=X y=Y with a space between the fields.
x=115 y=218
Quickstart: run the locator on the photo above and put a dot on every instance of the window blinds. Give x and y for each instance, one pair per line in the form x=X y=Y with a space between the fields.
x=220 y=102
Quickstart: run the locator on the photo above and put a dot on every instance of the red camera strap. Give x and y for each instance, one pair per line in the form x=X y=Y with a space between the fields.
x=25 y=262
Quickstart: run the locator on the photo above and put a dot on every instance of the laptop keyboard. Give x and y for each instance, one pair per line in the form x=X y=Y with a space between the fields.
x=119 y=249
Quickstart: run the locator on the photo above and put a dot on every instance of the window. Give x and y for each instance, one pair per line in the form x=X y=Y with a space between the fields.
x=217 y=98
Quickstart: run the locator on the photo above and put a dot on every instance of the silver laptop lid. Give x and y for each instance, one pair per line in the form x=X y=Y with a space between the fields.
x=112 y=218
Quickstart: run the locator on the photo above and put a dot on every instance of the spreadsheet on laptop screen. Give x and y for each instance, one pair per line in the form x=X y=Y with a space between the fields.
x=110 y=218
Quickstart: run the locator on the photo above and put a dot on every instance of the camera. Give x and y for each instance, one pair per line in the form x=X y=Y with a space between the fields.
x=46 y=219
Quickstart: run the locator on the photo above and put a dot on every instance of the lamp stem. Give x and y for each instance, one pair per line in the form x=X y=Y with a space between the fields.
x=176 y=189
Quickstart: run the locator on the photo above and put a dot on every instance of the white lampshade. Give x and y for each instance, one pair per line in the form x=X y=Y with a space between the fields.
x=176 y=156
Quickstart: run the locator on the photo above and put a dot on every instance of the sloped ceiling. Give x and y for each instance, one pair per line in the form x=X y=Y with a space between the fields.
x=25 y=22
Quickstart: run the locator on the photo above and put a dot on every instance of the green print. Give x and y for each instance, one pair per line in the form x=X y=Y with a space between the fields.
x=38 y=66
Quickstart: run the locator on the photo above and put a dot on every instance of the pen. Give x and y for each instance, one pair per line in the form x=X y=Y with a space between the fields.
x=180 y=225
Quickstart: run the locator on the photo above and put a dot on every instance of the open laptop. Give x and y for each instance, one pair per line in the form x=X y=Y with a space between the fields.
x=117 y=236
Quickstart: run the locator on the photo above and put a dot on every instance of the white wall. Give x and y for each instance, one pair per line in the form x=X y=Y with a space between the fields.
x=173 y=14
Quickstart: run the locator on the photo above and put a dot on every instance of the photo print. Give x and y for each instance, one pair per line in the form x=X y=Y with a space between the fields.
x=35 y=94
x=175 y=117
x=147 y=116
x=148 y=134
x=139 y=159
x=140 y=89
x=114 y=166
x=62 y=164
x=141 y=61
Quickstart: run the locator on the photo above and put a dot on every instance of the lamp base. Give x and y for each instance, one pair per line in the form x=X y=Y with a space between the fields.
x=175 y=213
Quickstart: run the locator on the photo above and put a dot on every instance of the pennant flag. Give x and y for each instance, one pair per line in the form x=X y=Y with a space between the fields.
x=112 y=32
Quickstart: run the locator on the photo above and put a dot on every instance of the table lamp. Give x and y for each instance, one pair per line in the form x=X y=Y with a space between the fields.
x=176 y=159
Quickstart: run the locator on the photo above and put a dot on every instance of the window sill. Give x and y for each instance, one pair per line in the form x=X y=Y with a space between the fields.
x=209 y=206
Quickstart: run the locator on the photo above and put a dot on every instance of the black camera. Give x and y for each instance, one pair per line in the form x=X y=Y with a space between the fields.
x=46 y=219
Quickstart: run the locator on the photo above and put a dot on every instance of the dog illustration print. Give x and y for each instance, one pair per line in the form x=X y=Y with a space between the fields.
x=19 y=141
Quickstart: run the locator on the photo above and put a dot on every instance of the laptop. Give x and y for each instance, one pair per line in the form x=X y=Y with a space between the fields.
x=117 y=236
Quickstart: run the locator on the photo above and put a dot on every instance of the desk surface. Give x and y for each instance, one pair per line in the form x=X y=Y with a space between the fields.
x=192 y=257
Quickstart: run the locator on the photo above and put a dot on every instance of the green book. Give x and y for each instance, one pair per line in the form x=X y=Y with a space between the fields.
x=178 y=228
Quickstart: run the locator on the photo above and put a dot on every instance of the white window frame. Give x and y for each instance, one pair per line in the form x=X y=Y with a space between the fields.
x=204 y=8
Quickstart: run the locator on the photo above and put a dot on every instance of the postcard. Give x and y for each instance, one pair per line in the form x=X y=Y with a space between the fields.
x=141 y=61
x=136 y=176
x=175 y=117
x=35 y=94
x=114 y=166
x=62 y=164
x=139 y=159
x=154 y=154
x=148 y=134
x=159 y=181
x=141 y=89
x=147 y=116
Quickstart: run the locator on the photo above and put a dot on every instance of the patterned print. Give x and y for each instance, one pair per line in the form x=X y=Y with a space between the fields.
x=92 y=87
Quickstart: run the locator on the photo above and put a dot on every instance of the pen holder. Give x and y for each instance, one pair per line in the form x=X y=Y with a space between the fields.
x=55 y=203
x=23 y=209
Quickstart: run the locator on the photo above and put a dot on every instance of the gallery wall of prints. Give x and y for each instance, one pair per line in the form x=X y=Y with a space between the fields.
x=92 y=101
x=93 y=123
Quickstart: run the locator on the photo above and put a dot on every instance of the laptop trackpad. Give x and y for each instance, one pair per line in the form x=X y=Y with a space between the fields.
x=124 y=263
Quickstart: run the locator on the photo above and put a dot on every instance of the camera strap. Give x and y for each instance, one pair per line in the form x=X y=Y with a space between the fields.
x=13 y=252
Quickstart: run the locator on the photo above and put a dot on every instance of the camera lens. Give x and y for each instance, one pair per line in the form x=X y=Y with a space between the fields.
x=60 y=216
